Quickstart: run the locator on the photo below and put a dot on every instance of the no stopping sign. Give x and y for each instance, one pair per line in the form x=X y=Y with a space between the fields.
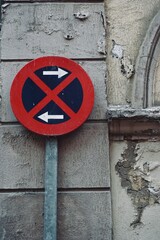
x=52 y=96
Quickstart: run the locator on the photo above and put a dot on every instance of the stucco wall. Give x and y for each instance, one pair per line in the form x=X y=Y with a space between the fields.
x=134 y=157
x=77 y=31
x=127 y=23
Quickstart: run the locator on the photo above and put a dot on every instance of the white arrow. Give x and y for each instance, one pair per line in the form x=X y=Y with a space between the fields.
x=45 y=117
x=60 y=73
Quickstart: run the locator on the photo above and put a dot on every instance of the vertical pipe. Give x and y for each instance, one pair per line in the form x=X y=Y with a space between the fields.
x=50 y=203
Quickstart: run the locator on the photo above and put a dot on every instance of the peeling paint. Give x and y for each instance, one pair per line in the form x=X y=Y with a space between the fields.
x=126 y=66
x=135 y=181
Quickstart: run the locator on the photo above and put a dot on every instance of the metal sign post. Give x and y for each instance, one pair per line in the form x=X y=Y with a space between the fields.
x=50 y=203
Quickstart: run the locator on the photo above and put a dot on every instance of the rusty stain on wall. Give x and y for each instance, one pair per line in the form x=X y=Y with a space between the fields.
x=135 y=180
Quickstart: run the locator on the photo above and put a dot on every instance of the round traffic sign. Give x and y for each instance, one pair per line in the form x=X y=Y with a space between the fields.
x=52 y=96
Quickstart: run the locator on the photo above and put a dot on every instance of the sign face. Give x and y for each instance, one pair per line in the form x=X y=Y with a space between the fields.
x=52 y=96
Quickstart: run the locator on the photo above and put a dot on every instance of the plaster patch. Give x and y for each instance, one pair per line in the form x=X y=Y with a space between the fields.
x=117 y=50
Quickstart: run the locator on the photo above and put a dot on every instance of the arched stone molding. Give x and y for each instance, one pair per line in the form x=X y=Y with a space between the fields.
x=149 y=53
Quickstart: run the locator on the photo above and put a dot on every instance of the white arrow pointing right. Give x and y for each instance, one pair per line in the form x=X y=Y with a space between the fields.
x=45 y=117
x=60 y=73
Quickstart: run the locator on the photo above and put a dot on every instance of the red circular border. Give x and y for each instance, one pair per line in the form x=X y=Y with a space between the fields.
x=49 y=129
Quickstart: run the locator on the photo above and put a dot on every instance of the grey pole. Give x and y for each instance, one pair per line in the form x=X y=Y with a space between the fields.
x=50 y=203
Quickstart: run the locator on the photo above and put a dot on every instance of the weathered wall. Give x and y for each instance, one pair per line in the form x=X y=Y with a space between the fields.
x=134 y=139
x=78 y=31
x=74 y=30
x=135 y=188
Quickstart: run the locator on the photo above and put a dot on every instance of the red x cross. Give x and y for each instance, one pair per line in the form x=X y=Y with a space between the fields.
x=52 y=94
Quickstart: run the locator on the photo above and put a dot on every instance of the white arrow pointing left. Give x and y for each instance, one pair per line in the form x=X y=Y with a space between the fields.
x=60 y=73
x=45 y=117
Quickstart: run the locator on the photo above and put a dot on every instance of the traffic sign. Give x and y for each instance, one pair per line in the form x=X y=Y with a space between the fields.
x=52 y=96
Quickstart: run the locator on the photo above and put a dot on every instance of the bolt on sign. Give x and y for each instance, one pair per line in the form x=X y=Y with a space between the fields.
x=52 y=96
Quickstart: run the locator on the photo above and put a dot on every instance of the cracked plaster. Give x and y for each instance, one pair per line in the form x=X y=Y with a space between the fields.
x=135 y=170
x=135 y=173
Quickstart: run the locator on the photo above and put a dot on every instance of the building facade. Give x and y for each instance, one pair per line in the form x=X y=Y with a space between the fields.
x=108 y=169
